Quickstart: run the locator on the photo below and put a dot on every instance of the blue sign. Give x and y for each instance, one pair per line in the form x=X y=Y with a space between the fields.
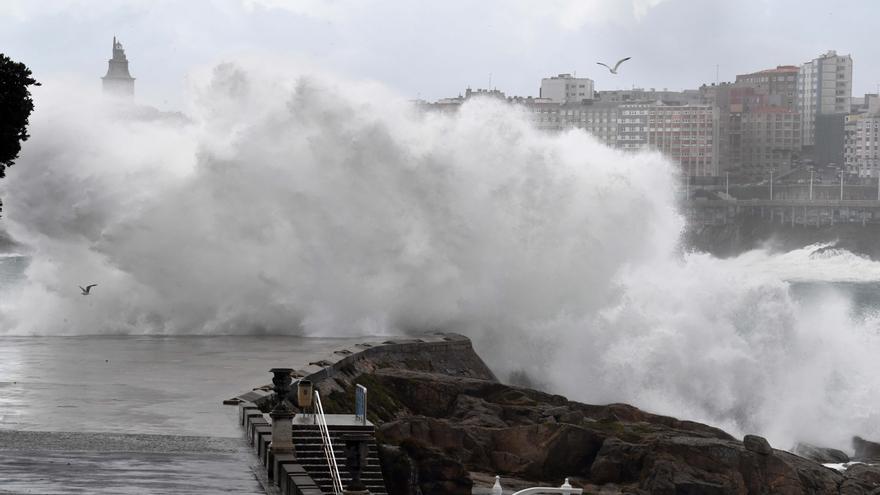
x=360 y=403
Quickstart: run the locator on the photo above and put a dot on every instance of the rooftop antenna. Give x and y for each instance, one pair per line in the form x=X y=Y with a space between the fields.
x=490 y=80
x=716 y=75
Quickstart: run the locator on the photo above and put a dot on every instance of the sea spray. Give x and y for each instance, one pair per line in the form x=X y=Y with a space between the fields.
x=308 y=204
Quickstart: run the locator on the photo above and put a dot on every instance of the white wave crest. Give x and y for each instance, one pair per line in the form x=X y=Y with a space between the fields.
x=309 y=204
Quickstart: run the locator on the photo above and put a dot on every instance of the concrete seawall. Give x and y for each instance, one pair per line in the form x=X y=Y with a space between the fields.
x=332 y=373
x=753 y=232
x=448 y=352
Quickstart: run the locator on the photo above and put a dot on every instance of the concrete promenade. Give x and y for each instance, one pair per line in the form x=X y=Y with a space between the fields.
x=135 y=414
x=109 y=463
x=804 y=212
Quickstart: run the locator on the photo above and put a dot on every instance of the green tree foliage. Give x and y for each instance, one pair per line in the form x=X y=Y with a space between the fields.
x=16 y=106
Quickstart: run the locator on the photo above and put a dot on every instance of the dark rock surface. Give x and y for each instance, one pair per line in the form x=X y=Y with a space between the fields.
x=756 y=444
x=821 y=455
x=866 y=450
x=435 y=429
x=864 y=475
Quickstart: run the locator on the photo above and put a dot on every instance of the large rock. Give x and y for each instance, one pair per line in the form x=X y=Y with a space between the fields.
x=861 y=478
x=822 y=455
x=416 y=469
x=757 y=444
x=867 y=473
x=435 y=428
x=865 y=450
x=618 y=462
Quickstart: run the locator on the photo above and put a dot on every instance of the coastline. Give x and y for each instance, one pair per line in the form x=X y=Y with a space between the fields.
x=749 y=233
x=445 y=425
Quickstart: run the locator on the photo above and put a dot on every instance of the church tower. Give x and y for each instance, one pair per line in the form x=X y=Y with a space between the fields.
x=118 y=82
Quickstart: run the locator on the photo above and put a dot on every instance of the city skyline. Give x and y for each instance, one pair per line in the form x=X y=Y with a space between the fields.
x=675 y=44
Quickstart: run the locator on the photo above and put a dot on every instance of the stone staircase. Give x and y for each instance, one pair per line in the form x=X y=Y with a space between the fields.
x=310 y=455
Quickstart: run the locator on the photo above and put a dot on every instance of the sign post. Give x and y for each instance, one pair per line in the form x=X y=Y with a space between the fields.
x=360 y=403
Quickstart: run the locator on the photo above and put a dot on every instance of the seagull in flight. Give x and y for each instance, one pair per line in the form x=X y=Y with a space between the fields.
x=87 y=289
x=614 y=69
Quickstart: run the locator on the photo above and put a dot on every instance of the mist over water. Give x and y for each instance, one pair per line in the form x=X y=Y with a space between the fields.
x=307 y=204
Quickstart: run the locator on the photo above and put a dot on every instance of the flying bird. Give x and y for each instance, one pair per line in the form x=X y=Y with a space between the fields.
x=614 y=69
x=87 y=289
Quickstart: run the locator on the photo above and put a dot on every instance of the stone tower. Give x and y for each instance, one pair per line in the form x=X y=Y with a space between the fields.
x=118 y=82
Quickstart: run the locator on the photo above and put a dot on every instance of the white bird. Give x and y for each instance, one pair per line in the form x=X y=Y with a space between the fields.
x=614 y=69
x=87 y=289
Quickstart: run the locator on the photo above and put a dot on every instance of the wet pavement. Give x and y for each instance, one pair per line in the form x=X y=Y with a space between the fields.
x=134 y=414
x=55 y=463
x=140 y=384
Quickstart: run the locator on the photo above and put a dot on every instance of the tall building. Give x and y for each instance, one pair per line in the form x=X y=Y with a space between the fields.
x=769 y=142
x=824 y=92
x=862 y=143
x=763 y=132
x=779 y=85
x=597 y=118
x=687 y=134
x=118 y=82
x=727 y=145
x=565 y=88
x=634 y=95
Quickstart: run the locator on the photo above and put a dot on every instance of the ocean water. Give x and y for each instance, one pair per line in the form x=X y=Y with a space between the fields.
x=174 y=384
x=12 y=267
x=165 y=385
x=147 y=384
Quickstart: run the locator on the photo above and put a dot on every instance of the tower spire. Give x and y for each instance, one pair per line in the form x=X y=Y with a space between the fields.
x=118 y=81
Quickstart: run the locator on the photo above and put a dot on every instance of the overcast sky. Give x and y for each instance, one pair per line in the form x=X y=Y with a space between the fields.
x=436 y=49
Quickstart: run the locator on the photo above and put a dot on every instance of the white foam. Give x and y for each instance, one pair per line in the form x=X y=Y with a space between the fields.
x=309 y=204
x=820 y=262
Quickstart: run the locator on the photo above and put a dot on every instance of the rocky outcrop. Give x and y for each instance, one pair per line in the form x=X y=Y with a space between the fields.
x=436 y=428
x=412 y=468
x=866 y=450
x=822 y=455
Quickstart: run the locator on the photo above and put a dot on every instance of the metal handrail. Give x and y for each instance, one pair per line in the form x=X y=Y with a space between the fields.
x=328 y=446
x=565 y=489
x=549 y=489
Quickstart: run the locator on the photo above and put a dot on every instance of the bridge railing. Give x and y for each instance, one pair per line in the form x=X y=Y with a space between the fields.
x=820 y=203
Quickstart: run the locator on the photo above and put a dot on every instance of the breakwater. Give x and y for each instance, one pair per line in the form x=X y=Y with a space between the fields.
x=747 y=232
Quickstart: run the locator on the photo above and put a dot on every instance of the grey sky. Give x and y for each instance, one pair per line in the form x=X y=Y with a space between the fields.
x=436 y=49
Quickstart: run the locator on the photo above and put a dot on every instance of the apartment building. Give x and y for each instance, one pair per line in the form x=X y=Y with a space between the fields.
x=862 y=144
x=566 y=88
x=824 y=93
x=779 y=85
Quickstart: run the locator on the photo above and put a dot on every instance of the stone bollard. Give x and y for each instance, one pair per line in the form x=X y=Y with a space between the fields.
x=282 y=414
x=356 y=459
x=566 y=487
x=496 y=488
